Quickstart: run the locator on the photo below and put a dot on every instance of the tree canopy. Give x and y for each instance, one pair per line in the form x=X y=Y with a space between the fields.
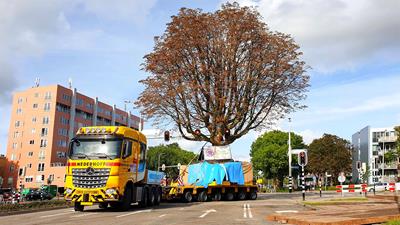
x=331 y=154
x=218 y=75
x=269 y=153
x=171 y=154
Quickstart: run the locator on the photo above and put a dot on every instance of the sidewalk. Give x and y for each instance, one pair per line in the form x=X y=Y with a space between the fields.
x=377 y=209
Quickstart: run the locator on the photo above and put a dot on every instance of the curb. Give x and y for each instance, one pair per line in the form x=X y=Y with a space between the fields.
x=370 y=220
x=11 y=213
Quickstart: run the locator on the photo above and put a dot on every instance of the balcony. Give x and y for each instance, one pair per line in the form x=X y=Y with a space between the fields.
x=387 y=139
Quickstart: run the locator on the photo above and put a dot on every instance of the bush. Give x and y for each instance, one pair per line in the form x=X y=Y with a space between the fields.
x=32 y=205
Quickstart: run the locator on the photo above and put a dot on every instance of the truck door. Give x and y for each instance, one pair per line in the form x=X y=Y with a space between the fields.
x=127 y=160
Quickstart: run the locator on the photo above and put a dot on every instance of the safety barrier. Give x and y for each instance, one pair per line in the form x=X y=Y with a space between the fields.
x=392 y=187
x=352 y=188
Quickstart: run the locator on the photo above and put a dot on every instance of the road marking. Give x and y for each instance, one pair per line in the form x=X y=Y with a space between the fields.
x=162 y=215
x=181 y=208
x=136 y=212
x=58 y=214
x=84 y=214
x=247 y=211
x=287 y=211
x=207 y=212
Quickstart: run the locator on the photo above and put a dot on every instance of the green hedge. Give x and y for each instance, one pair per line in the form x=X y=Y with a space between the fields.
x=32 y=205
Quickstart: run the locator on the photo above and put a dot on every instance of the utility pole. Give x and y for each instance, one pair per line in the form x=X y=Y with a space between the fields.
x=383 y=157
x=290 y=160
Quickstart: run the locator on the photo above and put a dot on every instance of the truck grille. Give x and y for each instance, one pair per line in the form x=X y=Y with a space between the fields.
x=90 y=177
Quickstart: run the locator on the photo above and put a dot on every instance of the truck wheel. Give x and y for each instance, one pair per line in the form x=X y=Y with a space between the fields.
x=229 y=196
x=152 y=198
x=217 y=196
x=253 y=195
x=157 y=196
x=103 y=205
x=202 y=197
x=78 y=207
x=241 y=196
x=187 y=197
x=127 y=198
x=143 y=203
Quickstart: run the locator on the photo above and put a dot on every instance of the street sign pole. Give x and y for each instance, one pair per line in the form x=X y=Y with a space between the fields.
x=290 y=160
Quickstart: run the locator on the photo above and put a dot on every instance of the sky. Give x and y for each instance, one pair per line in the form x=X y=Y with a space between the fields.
x=352 y=48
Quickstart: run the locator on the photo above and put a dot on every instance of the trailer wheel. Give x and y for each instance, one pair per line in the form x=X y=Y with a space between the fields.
x=157 y=196
x=78 y=207
x=143 y=203
x=241 y=196
x=253 y=195
x=152 y=197
x=217 y=196
x=187 y=197
x=202 y=196
x=229 y=196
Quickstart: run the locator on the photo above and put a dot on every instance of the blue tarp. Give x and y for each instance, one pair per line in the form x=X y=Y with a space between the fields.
x=204 y=173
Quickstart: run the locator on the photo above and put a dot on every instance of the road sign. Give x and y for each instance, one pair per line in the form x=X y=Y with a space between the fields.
x=341 y=178
x=163 y=167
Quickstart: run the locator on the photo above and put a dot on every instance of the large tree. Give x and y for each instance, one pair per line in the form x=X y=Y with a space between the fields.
x=170 y=155
x=269 y=153
x=218 y=75
x=330 y=154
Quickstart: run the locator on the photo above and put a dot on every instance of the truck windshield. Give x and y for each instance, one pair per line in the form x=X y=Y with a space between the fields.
x=95 y=148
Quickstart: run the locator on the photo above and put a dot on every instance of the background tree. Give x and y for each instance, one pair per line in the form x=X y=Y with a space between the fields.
x=171 y=154
x=221 y=73
x=269 y=153
x=331 y=154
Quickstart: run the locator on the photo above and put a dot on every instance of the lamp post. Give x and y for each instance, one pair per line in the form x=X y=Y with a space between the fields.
x=290 y=160
x=383 y=157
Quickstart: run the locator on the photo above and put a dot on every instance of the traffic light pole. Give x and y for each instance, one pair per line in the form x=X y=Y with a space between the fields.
x=303 y=183
x=290 y=160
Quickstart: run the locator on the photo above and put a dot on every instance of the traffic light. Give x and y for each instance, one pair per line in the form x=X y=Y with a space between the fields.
x=166 y=135
x=197 y=132
x=227 y=133
x=302 y=158
x=358 y=165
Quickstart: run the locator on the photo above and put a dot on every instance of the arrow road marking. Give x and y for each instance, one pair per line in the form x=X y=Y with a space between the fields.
x=162 y=215
x=207 y=212
x=247 y=211
x=136 y=212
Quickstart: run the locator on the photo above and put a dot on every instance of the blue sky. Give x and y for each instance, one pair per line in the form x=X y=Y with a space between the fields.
x=352 y=47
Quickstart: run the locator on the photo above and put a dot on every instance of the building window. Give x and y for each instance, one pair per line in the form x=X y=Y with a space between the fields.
x=36 y=95
x=44 y=132
x=79 y=101
x=47 y=106
x=46 y=120
x=47 y=95
x=30 y=153
x=43 y=143
x=29 y=165
x=14 y=146
x=33 y=130
x=33 y=119
x=61 y=154
x=89 y=105
x=16 y=134
x=62 y=108
x=32 y=142
x=41 y=167
x=19 y=111
x=42 y=155
x=20 y=100
x=11 y=168
x=62 y=143
x=35 y=106
x=63 y=132
x=13 y=157
x=29 y=179
x=64 y=121
x=17 y=123
x=66 y=97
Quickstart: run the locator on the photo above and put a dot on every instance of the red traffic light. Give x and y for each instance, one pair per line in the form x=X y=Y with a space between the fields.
x=166 y=136
x=197 y=132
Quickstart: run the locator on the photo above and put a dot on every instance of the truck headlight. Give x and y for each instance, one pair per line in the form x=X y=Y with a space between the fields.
x=68 y=191
x=111 y=191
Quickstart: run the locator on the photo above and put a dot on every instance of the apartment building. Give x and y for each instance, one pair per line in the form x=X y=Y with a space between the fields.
x=43 y=120
x=369 y=146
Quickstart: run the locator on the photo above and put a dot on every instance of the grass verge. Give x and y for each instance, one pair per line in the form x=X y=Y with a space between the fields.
x=335 y=201
x=27 y=206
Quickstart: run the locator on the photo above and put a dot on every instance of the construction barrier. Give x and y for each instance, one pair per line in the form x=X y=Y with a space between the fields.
x=352 y=188
x=392 y=187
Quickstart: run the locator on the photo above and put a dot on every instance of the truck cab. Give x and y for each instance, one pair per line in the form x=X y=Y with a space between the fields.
x=107 y=166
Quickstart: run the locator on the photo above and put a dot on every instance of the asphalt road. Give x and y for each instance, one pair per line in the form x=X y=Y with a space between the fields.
x=223 y=212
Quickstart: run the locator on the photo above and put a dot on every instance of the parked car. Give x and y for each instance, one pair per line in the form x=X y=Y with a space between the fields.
x=378 y=187
x=38 y=195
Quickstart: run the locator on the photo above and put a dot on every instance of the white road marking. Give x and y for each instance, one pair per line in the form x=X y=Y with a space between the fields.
x=136 y=212
x=207 y=212
x=162 y=215
x=244 y=211
x=84 y=214
x=249 y=211
x=58 y=214
x=287 y=211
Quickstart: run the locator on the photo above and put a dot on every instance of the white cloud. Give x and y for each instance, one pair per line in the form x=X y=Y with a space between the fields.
x=337 y=34
x=309 y=135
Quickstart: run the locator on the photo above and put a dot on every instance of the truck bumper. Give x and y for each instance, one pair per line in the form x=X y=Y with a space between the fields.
x=88 y=197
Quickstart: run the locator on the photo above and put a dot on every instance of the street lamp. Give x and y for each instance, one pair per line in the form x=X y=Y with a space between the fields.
x=290 y=160
x=383 y=156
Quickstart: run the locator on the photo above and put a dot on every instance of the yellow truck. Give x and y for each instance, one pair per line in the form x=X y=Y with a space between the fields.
x=107 y=166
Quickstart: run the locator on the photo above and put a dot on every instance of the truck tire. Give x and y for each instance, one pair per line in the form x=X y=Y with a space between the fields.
x=187 y=197
x=217 y=196
x=229 y=196
x=157 y=196
x=202 y=196
x=126 y=200
x=253 y=195
x=78 y=207
x=143 y=202
x=103 y=205
x=152 y=198
x=241 y=196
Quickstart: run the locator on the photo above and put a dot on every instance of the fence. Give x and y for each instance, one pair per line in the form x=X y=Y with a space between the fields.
x=352 y=188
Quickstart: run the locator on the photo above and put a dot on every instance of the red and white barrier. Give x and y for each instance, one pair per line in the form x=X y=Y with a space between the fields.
x=352 y=188
x=392 y=187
